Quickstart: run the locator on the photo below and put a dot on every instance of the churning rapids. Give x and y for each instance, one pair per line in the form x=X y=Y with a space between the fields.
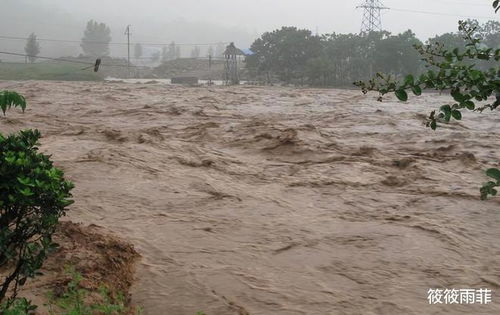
x=271 y=200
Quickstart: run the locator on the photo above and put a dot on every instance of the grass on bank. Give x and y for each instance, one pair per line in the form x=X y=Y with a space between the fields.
x=47 y=71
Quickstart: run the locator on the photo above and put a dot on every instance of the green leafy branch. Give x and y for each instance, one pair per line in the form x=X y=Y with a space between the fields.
x=490 y=187
x=456 y=72
x=9 y=99
x=467 y=84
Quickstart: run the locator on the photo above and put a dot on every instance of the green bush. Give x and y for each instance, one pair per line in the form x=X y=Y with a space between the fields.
x=33 y=196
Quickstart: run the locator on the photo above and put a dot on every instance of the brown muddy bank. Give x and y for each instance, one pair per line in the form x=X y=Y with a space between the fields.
x=100 y=258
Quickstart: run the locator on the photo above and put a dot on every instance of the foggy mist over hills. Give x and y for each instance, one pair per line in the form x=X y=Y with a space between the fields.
x=194 y=21
x=66 y=20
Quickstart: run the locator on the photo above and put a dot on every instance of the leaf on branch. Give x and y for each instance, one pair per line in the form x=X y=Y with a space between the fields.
x=9 y=99
x=456 y=114
x=494 y=173
x=457 y=96
x=416 y=90
x=469 y=105
x=402 y=95
x=488 y=189
x=433 y=125
x=409 y=80
x=446 y=110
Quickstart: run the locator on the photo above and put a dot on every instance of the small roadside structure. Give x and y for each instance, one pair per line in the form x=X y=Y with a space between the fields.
x=185 y=80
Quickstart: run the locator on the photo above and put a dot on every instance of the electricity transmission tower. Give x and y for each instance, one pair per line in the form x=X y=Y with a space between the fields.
x=371 y=16
x=231 y=65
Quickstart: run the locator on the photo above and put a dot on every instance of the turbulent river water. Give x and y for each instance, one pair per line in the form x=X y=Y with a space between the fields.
x=272 y=200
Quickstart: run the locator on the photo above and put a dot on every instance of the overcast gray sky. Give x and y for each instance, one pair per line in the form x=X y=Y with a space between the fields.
x=262 y=15
x=226 y=20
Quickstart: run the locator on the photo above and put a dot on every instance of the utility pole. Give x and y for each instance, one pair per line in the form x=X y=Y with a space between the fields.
x=127 y=32
x=210 y=69
x=371 y=16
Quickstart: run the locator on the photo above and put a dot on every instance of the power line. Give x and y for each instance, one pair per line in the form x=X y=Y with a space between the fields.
x=46 y=58
x=111 y=43
x=464 y=3
x=91 y=64
x=64 y=60
x=442 y=13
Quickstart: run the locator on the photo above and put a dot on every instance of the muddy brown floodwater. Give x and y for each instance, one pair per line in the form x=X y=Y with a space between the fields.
x=269 y=200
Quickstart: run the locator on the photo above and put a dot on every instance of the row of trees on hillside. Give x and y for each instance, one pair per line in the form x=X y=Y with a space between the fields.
x=297 y=56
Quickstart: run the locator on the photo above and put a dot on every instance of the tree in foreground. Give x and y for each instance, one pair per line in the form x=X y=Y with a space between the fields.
x=96 y=39
x=456 y=71
x=32 y=48
x=33 y=196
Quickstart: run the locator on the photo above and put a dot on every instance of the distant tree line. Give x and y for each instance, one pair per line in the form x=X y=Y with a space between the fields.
x=296 y=56
x=96 y=43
